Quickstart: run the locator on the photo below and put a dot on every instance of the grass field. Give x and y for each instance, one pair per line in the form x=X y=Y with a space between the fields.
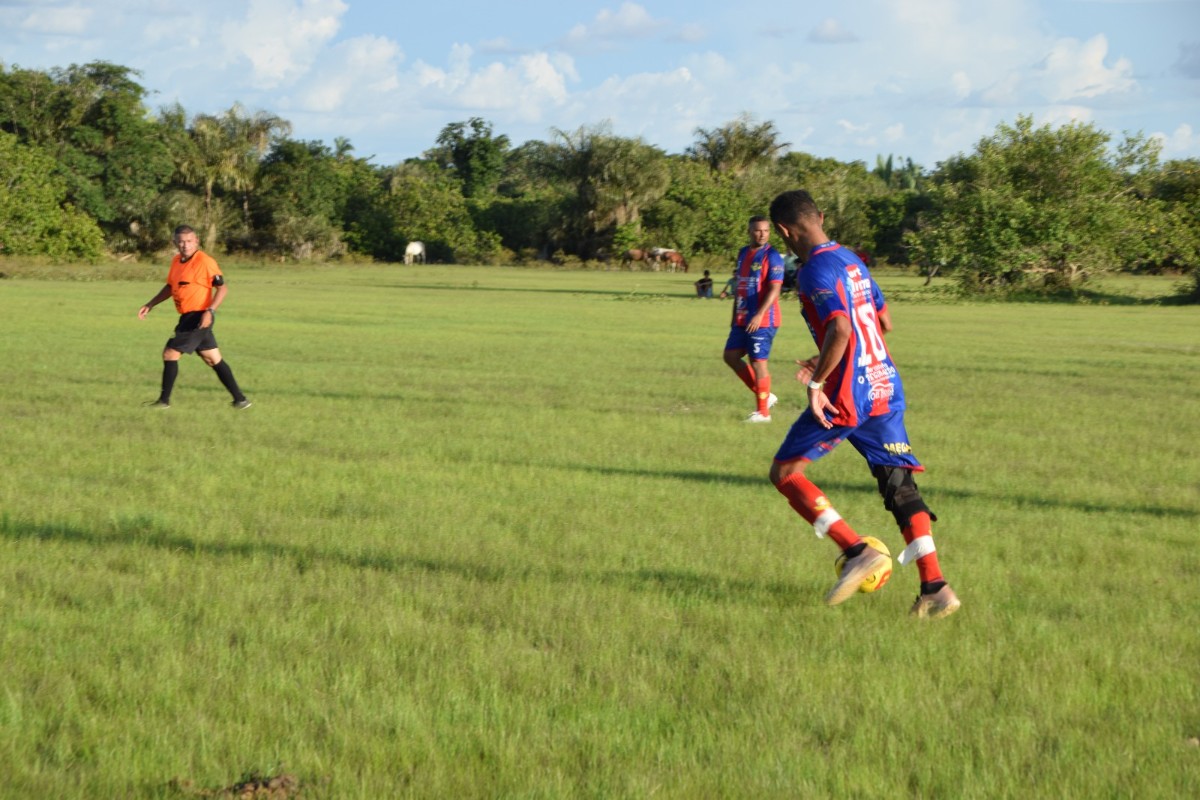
x=501 y=533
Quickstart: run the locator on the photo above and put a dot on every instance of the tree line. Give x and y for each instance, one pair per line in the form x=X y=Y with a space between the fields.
x=87 y=169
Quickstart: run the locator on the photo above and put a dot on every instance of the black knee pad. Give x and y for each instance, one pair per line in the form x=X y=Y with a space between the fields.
x=900 y=494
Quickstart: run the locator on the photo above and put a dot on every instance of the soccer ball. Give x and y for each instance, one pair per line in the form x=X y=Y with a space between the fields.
x=879 y=577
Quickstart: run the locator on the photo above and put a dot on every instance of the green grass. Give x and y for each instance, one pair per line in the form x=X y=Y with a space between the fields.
x=501 y=533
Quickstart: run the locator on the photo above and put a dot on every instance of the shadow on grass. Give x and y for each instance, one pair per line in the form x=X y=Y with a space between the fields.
x=868 y=485
x=627 y=292
x=677 y=584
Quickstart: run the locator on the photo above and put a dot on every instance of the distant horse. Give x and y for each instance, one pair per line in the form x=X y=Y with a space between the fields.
x=414 y=253
x=658 y=256
x=631 y=256
x=675 y=261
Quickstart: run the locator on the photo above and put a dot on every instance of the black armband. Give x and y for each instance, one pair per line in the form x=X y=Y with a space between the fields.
x=218 y=280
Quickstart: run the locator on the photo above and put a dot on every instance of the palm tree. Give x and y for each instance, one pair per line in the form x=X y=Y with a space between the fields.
x=250 y=136
x=738 y=145
x=906 y=176
x=342 y=148
x=614 y=178
x=207 y=162
x=225 y=152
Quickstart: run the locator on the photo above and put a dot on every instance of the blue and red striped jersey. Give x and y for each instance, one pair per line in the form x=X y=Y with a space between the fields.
x=756 y=268
x=835 y=282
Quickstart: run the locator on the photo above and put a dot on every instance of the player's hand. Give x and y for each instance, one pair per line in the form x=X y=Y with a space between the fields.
x=805 y=373
x=204 y=324
x=754 y=323
x=819 y=402
x=143 y=311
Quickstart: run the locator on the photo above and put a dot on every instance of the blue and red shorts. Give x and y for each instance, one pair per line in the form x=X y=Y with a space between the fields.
x=881 y=440
x=757 y=345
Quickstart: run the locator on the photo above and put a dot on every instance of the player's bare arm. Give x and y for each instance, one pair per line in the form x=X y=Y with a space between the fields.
x=163 y=294
x=773 y=290
x=884 y=317
x=837 y=338
x=219 y=297
x=807 y=369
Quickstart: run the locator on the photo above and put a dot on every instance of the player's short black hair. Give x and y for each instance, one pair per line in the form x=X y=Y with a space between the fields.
x=756 y=219
x=789 y=207
x=182 y=229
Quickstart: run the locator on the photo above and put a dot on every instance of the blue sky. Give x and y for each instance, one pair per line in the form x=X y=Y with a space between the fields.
x=924 y=79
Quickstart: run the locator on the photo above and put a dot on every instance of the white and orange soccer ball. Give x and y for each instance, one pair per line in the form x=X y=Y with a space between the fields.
x=880 y=576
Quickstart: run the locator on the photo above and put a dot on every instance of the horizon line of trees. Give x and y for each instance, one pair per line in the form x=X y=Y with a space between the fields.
x=87 y=169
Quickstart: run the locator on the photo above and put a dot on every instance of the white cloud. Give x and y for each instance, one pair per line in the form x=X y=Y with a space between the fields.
x=610 y=28
x=281 y=38
x=1076 y=70
x=1057 y=116
x=830 y=31
x=1183 y=142
x=931 y=79
x=1004 y=92
x=525 y=87
x=71 y=20
x=961 y=83
x=692 y=33
x=501 y=45
x=358 y=72
x=938 y=36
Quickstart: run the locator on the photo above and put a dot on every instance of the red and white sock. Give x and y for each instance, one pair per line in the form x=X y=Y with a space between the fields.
x=917 y=535
x=763 y=392
x=810 y=503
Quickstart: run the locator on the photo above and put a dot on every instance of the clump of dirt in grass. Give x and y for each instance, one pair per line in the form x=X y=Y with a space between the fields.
x=249 y=787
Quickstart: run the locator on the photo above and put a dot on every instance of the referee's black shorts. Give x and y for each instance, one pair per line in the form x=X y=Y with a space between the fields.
x=190 y=337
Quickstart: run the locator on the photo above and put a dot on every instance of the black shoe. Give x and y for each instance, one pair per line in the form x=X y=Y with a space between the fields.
x=157 y=404
x=240 y=404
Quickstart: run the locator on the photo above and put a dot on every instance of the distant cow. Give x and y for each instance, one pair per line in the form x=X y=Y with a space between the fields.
x=414 y=253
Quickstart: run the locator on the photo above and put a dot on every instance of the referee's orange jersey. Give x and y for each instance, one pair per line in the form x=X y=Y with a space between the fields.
x=191 y=281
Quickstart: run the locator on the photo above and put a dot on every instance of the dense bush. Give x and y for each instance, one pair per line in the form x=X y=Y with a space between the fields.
x=88 y=168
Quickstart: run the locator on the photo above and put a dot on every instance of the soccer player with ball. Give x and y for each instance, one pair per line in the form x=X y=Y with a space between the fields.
x=854 y=394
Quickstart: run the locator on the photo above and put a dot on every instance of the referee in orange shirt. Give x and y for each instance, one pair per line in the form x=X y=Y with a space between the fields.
x=198 y=288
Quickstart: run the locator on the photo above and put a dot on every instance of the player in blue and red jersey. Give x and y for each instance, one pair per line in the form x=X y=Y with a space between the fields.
x=759 y=280
x=854 y=394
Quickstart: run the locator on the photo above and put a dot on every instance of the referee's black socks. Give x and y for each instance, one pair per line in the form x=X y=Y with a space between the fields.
x=226 y=375
x=170 y=373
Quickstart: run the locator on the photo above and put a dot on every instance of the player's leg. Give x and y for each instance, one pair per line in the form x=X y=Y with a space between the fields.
x=736 y=347
x=806 y=442
x=186 y=338
x=883 y=441
x=760 y=352
x=762 y=386
x=212 y=357
x=170 y=372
